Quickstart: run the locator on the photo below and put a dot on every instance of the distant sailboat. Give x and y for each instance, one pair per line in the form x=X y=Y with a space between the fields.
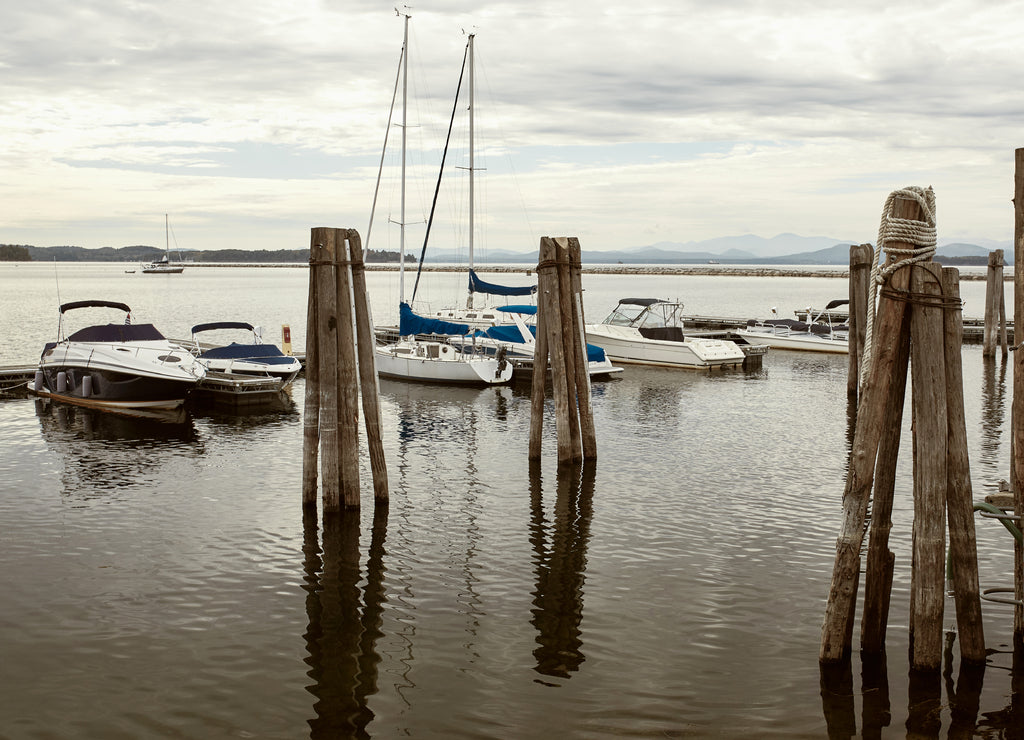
x=164 y=266
x=435 y=360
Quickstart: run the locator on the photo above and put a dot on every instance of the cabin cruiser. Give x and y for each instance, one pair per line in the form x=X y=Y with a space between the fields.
x=115 y=366
x=649 y=331
x=248 y=358
x=819 y=333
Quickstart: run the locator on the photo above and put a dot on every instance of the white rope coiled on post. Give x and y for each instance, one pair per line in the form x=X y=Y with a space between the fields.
x=921 y=234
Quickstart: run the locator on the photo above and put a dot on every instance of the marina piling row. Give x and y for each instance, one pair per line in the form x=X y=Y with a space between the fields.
x=917 y=319
x=340 y=367
x=561 y=343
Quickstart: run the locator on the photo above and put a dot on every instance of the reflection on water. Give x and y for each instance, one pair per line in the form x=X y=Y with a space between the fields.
x=103 y=450
x=561 y=558
x=993 y=400
x=929 y=693
x=344 y=622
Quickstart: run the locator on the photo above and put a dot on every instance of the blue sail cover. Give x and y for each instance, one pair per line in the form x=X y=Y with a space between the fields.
x=410 y=324
x=506 y=333
x=476 y=285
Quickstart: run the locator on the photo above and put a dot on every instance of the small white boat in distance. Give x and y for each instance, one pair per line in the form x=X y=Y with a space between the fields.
x=818 y=334
x=649 y=331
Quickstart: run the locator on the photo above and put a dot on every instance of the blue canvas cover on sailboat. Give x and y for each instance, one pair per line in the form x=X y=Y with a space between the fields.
x=476 y=285
x=410 y=324
x=506 y=333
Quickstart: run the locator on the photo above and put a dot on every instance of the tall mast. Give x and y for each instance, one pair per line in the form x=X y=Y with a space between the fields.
x=472 y=227
x=405 y=98
x=167 y=238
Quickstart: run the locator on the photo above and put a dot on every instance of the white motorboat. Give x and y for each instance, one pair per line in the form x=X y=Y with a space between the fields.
x=649 y=331
x=244 y=358
x=518 y=340
x=432 y=359
x=818 y=334
x=115 y=366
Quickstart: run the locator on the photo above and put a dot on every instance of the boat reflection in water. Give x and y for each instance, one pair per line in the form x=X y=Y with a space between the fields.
x=104 y=450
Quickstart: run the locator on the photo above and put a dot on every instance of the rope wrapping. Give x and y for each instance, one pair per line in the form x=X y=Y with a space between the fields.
x=921 y=234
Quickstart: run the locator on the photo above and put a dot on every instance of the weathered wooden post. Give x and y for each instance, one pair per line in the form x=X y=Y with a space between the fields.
x=963 y=545
x=884 y=345
x=1017 y=408
x=340 y=362
x=993 y=300
x=922 y=323
x=928 y=376
x=311 y=407
x=327 y=355
x=560 y=320
x=367 y=358
x=860 y=279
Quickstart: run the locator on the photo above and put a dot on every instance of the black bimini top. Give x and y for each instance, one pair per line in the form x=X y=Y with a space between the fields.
x=221 y=325
x=640 y=301
x=94 y=304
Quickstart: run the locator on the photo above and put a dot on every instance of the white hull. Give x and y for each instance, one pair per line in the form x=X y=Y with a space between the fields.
x=803 y=342
x=138 y=374
x=626 y=344
x=438 y=362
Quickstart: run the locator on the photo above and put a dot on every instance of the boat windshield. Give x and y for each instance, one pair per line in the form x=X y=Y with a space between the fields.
x=655 y=316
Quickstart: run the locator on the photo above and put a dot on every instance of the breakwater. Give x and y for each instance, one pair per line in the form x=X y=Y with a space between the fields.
x=608 y=269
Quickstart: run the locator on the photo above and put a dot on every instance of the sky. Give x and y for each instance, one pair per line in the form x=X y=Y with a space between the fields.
x=625 y=124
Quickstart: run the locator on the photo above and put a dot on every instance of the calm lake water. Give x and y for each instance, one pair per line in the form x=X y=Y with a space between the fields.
x=161 y=579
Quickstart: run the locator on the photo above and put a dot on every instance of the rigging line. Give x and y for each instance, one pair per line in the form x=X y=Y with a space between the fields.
x=384 y=149
x=437 y=188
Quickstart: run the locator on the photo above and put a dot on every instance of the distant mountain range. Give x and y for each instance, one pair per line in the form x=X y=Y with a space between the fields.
x=784 y=249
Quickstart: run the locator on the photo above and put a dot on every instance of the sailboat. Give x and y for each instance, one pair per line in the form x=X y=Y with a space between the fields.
x=163 y=265
x=479 y=317
x=421 y=352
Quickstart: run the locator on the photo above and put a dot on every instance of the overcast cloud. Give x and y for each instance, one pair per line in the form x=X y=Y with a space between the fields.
x=625 y=124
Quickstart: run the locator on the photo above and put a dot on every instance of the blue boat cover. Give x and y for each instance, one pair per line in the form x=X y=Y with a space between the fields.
x=526 y=309
x=268 y=354
x=410 y=324
x=476 y=285
x=508 y=333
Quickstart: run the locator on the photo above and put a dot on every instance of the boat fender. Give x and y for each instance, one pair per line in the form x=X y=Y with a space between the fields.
x=62 y=382
x=86 y=386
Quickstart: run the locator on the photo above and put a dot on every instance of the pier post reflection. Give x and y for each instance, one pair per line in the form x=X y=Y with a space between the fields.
x=993 y=413
x=561 y=558
x=344 y=623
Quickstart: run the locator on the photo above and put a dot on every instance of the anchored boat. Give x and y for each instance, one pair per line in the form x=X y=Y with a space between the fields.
x=115 y=366
x=649 y=331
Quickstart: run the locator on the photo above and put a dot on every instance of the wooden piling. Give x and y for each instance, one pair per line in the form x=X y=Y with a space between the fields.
x=348 y=375
x=959 y=494
x=860 y=281
x=327 y=338
x=560 y=323
x=588 y=432
x=311 y=406
x=340 y=362
x=931 y=429
x=993 y=300
x=871 y=419
x=1017 y=408
x=367 y=359
x=881 y=561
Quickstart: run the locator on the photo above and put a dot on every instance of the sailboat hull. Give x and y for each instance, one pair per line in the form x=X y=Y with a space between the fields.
x=439 y=362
